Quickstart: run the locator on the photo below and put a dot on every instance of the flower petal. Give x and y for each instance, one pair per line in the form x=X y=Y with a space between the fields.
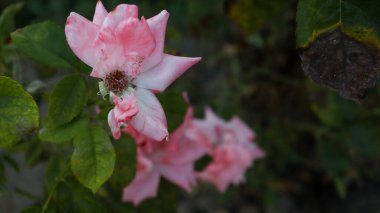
x=100 y=14
x=182 y=175
x=150 y=120
x=143 y=186
x=161 y=76
x=244 y=132
x=120 y=13
x=114 y=125
x=157 y=25
x=80 y=34
x=136 y=37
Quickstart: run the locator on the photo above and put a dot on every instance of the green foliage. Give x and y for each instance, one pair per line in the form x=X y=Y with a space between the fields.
x=93 y=159
x=7 y=24
x=174 y=107
x=67 y=100
x=167 y=194
x=358 y=19
x=32 y=209
x=64 y=133
x=18 y=112
x=70 y=196
x=126 y=162
x=264 y=11
x=46 y=43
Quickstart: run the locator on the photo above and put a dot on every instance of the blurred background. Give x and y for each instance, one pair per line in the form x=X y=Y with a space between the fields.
x=322 y=151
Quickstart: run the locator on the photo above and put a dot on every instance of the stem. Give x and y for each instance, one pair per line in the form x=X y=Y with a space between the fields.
x=58 y=180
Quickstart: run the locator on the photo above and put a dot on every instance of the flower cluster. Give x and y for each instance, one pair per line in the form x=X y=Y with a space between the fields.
x=230 y=144
x=126 y=53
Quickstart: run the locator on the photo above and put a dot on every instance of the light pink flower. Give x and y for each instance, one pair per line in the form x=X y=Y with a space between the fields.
x=127 y=53
x=233 y=150
x=173 y=160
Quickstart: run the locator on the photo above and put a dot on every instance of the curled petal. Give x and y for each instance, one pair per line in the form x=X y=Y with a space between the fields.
x=150 y=120
x=126 y=107
x=100 y=14
x=80 y=34
x=161 y=76
x=157 y=25
x=114 y=125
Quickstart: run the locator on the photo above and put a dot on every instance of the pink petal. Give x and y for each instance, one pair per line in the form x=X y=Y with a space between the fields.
x=182 y=175
x=114 y=125
x=212 y=126
x=242 y=130
x=161 y=76
x=143 y=186
x=100 y=14
x=80 y=34
x=110 y=53
x=157 y=25
x=150 y=120
x=136 y=37
x=120 y=13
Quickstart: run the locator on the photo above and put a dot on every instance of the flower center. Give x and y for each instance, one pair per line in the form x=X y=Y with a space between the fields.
x=116 y=81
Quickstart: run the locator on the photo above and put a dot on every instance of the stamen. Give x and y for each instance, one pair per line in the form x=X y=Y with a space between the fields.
x=116 y=81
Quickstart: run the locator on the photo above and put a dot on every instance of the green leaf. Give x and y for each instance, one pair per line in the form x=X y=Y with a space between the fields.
x=340 y=43
x=18 y=112
x=7 y=24
x=341 y=187
x=174 y=107
x=93 y=159
x=45 y=42
x=73 y=197
x=126 y=161
x=335 y=111
x=65 y=132
x=33 y=153
x=364 y=139
x=67 y=100
x=358 y=19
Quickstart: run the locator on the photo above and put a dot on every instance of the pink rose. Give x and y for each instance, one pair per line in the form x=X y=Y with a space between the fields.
x=127 y=54
x=173 y=160
x=232 y=149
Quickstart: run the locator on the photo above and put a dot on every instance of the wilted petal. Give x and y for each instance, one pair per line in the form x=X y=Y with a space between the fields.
x=81 y=34
x=114 y=125
x=150 y=120
x=161 y=76
x=100 y=14
x=157 y=25
x=143 y=186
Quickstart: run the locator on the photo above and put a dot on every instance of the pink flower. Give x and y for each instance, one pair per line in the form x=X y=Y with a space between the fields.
x=127 y=53
x=233 y=150
x=173 y=160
